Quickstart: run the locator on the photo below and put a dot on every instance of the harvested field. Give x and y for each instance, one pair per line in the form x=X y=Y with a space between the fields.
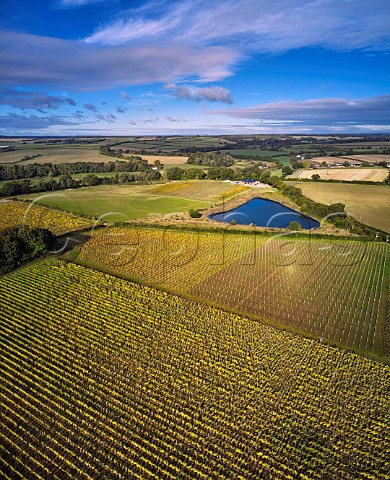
x=348 y=174
x=375 y=158
x=374 y=210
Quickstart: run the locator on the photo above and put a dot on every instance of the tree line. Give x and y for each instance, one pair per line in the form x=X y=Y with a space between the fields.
x=34 y=170
x=19 y=187
x=211 y=159
x=252 y=172
x=21 y=244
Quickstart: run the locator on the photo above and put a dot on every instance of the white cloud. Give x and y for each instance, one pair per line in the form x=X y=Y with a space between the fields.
x=150 y=120
x=211 y=94
x=173 y=119
x=90 y=106
x=256 y=25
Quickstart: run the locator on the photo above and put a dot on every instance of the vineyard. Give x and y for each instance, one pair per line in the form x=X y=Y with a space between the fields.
x=332 y=290
x=15 y=213
x=103 y=378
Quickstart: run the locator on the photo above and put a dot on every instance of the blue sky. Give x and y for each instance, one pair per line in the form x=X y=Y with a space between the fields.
x=112 y=67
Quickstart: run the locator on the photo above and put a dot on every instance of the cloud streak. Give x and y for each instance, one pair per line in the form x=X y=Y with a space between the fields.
x=34 y=60
x=322 y=111
x=17 y=122
x=79 y=3
x=256 y=25
x=33 y=100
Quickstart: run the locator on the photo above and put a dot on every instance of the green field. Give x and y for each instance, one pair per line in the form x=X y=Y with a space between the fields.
x=106 y=379
x=129 y=202
x=117 y=202
x=333 y=290
x=369 y=204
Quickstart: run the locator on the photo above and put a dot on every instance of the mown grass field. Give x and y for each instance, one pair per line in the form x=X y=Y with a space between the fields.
x=117 y=202
x=348 y=174
x=102 y=378
x=368 y=203
x=335 y=291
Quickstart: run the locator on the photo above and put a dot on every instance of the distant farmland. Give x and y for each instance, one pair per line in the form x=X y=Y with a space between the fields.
x=53 y=154
x=375 y=158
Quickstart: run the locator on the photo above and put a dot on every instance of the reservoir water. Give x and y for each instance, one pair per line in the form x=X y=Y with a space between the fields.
x=265 y=213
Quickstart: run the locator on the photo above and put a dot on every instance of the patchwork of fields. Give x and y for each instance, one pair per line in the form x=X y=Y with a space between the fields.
x=333 y=290
x=187 y=353
x=102 y=378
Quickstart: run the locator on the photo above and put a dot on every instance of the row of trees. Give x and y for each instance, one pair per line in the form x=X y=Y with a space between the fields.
x=21 y=244
x=251 y=172
x=17 y=171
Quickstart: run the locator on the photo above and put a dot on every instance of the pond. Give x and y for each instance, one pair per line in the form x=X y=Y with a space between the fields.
x=265 y=213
